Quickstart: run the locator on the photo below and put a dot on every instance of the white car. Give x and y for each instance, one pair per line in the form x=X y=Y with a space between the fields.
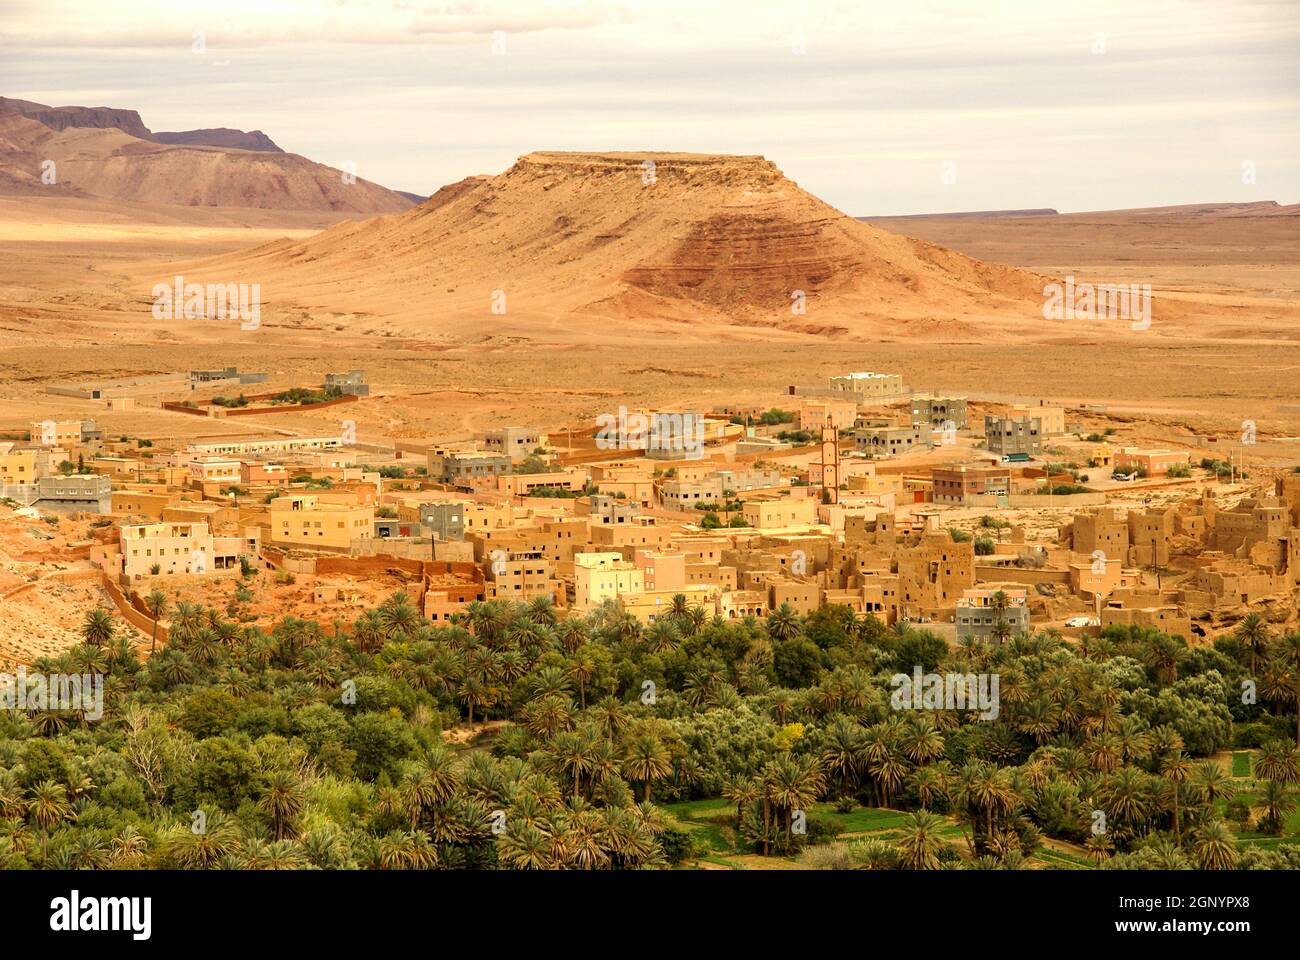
x=1080 y=622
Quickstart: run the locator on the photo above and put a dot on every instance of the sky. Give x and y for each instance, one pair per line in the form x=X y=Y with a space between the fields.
x=879 y=107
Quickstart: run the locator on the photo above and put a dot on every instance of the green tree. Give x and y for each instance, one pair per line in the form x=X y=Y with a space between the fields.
x=97 y=628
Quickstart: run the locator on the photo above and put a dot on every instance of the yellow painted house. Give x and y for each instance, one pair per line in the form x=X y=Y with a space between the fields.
x=786 y=512
x=598 y=577
x=17 y=464
x=306 y=520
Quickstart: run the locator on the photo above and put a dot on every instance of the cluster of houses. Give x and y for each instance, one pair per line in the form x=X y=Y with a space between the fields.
x=844 y=495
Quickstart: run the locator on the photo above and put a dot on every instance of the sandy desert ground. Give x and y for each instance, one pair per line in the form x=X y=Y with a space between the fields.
x=74 y=302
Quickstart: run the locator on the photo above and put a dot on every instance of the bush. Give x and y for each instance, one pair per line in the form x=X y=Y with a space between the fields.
x=208 y=712
x=679 y=845
x=380 y=742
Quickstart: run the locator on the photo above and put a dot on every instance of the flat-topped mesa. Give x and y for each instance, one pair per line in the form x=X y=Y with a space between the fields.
x=687 y=168
x=601 y=242
x=61 y=118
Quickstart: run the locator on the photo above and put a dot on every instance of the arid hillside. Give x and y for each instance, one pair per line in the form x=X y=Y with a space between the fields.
x=576 y=245
x=94 y=157
x=1248 y=239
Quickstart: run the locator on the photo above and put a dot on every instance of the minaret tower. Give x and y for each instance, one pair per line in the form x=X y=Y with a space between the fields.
x=830 y=462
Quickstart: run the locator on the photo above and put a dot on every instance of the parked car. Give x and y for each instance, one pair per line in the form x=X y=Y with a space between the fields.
x=1121 y=476
x=1078 y=622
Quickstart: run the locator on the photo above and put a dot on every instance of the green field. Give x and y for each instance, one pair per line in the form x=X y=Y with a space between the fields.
x=1241 y=764
x=713 y=822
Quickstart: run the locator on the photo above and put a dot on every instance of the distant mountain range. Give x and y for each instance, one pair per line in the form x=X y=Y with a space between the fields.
x=969 y=215
x=108 y=152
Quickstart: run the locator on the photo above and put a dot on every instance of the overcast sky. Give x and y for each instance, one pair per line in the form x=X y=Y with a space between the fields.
x=879 y=107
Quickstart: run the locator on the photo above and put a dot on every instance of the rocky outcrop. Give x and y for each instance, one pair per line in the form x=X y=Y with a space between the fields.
x=61 y=118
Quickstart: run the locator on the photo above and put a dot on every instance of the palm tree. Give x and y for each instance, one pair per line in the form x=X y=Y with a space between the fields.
x=472 y=693
x=97 y=629
x=524 y=847
x=921 y=842
x=662 y=636
x=187 y=620
x=572 y=633
x=1278 y=762
x=548 y=715
x=1039 y=718
x=1210 y=783
x=156 y=603
x=1289 y=655
x=1176 y=769
x=1215 y=847
x=370 y=631
x=844 y=753
x=1099 y=846
x=283 y=802
x=792 y=783
x=585 y=837
x=573 y=754
x=1163 y=653
x=399 y=615
x=203 y=851
x=1252 y=632
x=48 y=807
x=1104 y=752
x=783 y=623
x=742 y=791
x=647 y=760
x=988 y=790
x=582 y=668
x=931 y=783
x=407 y=850
x=1278 y=804
x=612 y=717
x=1126 y=797
x=629 y=627
x=782 y=704
x=127 y=847
x=541 y=610
x=922 y=743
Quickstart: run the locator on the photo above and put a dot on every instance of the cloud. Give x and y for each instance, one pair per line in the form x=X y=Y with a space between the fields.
x=237 y=25
x=1069 y=104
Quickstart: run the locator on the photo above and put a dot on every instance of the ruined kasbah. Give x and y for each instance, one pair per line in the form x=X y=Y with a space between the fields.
x=979 y=520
